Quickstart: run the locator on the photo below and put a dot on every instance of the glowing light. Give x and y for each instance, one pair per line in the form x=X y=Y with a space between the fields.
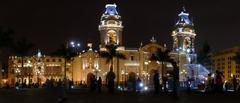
x=188 y=50
x=145 y=88
x=141 y=84
x=111 y=9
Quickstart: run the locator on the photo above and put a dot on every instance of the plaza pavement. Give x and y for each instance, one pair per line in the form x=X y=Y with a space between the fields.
x=84 y=96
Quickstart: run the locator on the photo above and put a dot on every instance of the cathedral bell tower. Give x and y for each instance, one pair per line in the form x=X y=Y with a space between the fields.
x=110 y=26
x=183 y=34
x=183 y=44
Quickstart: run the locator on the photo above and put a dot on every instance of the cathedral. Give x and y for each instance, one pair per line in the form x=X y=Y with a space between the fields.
x=88 y=63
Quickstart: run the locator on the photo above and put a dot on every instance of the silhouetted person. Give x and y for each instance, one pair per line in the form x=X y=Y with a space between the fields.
x=188 y=85
x=156 y=82
x=165 y=83
x=110 y=80
x=218 y=82
x=60 y=91
x=227 y=84
x=209 y=83
x=93 y=83
x=99 y=84
x=234 y=81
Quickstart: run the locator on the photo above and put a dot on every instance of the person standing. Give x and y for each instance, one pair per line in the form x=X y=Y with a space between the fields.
x=110 y=80
x=165 y=79
x=156 y=82
x=99 y=84
x=234 y=81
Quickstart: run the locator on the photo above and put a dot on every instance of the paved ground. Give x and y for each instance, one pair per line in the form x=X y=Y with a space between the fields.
x=83 y=96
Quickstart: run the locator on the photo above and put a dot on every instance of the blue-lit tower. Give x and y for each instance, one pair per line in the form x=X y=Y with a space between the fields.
x=183 y=44
x=110 y=26
x=183 y=34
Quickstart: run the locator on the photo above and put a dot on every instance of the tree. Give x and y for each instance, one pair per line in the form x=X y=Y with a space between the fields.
x=175 y=76
x=6 y=40
x=67 y=52
x=111 y=53
x=21 y=48
x=162 y=56
x=203 y=57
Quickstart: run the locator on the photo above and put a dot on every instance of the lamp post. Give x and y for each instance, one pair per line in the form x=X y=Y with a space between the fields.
x=70 y=47
x=147 y=74
x=38 y=73
x=122 y=74
x=17 y=71
x=184 y=76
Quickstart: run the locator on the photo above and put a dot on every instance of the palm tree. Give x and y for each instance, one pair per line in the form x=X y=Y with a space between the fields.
x=175 y=76
x=203 y=57
x=67 y=53
x=21 y=48
x=163 y=56
x=111 y=53
x=5 y=41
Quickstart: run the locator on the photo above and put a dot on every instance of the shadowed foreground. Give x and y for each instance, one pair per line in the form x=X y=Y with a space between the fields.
x=82 y=96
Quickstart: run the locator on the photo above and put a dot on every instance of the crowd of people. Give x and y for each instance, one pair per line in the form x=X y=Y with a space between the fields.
x=218 y=84
x=214 y=83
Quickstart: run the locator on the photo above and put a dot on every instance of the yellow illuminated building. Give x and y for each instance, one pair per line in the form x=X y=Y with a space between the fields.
x=224 y=61
x=39 y=68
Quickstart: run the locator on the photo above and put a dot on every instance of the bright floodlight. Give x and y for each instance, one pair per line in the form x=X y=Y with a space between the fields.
x=141 y=84
x=72 y=43
x=146 y=88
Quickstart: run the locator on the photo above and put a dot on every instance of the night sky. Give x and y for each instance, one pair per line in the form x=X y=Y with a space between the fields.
x=48 y=23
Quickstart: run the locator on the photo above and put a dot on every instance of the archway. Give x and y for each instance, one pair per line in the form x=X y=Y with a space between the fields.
x=132 y=75
x=89 y=76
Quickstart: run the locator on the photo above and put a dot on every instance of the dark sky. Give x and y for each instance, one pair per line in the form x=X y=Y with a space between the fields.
x=47 y=23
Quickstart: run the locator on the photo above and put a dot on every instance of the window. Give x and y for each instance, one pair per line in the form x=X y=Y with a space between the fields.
x=59 y=60
x=47 y=60
x=132 y=58
x=19 y=61
x=53 y=60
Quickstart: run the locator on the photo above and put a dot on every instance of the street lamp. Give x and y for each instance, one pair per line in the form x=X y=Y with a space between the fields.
x=38 y=73
x=17 y=71
x=146 y=73
x=122 y=73
x=184 y=76
x=70 y=47
x=75 y=46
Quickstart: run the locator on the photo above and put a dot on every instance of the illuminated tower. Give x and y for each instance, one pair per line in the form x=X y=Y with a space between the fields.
x=183 y=44
x=110 y=26
x=183 y=34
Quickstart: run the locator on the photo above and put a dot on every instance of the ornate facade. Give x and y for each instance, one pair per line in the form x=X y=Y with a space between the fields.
x=89 y=62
